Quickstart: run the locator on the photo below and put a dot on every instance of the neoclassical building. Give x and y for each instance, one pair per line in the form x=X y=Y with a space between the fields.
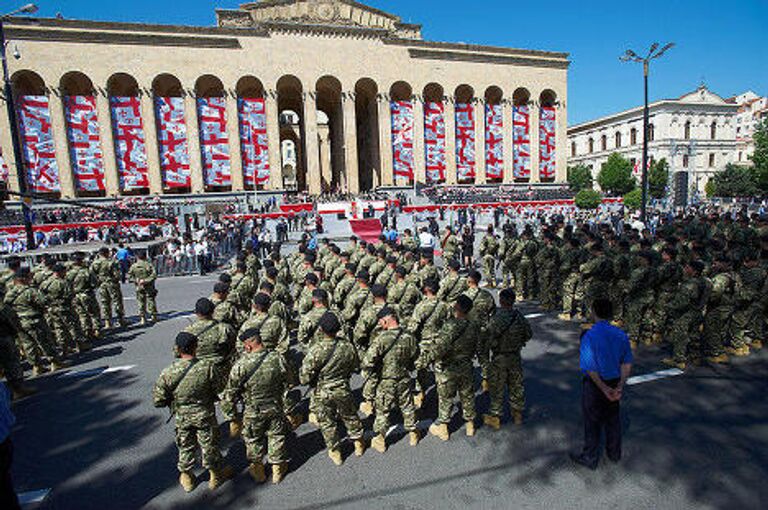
x=695 y=133
x=282 y=94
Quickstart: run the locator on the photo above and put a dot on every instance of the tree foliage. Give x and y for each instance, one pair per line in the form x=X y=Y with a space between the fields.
x=615 y=175
x=579 y=178
x=588 y=199
x=734 y=181
x=760 y=157
x=658 y=177
x=633 y=199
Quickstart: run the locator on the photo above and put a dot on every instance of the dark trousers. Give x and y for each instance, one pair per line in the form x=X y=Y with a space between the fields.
x=600 y=413
x=8 y=499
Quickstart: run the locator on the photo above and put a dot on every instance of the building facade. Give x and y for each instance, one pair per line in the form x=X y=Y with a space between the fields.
x=311 y=95
x=753 y=109
x=695 y=133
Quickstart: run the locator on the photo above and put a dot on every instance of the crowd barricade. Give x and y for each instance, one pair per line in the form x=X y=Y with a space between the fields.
x=502 y=205
x=181 y=264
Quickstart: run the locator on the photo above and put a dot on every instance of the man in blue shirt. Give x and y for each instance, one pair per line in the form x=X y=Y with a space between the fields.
x=606 y=362
x=8 y=499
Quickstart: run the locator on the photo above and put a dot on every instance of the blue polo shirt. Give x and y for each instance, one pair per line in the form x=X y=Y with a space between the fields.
x=604 y=348
x=6 y=416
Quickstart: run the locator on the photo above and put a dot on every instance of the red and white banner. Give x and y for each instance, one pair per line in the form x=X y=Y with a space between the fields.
x=90 y=225
x=465 y=141
x=253 y=140
x=130 y=148
x=434 y=142
x=3 y=168
x=494 y=141
x=402 y=139
x=84 y=145
x=172 y=141
x=37 y=139
x=214 y=143
x=547 y=158
x=521 y=143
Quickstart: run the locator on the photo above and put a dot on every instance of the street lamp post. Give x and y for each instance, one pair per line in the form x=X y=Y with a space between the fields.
x=15 y=139
x=631 y=56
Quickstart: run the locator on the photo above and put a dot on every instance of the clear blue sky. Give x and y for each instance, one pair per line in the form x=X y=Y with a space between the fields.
x=722 y=43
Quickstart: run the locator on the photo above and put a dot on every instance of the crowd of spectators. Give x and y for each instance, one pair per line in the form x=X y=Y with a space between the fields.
x=472 y=195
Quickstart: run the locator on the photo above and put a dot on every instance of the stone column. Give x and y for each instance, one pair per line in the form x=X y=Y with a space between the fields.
x=449 y=114
x=312 y=156
x=104 y=115
x=61 y=144
x=197 y=177
x=326 y=163
x=151 y=142
x=273 y=141
x=350 y=142
x=561 y=144
x=508 y=145
x=479 y=141
x=8 y=154
x=233 y=137
x=535 y=149
x=385 y=141
x=419 y=159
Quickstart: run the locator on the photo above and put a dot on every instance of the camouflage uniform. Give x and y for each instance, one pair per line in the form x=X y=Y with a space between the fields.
x=86 y=305
x=356 y=302
x=343 y=290
x=425 y=324
x=718 y=318
x=216 y=345
x=190 y=393
x=639 y=302
x=749 y=317
x=224 y=311
x=9 y=353
x=685 y=311
x=364 y=332
x=403 y=296
x=451 y=287
x=241 y=292
x=61 y=318
x=489 y=248
x=570 y=262
x=326 y=369
x=35 y=336
x=508 y=332
x=548 y=263
x=453 y=352
x=143 y=275
x=525 y=271
x=506 y=247
x=258 y=380
x=108 y=276
x=309 y=330
x=669 y=276
x=596 y=275
x=483 y=308
x=450 y=247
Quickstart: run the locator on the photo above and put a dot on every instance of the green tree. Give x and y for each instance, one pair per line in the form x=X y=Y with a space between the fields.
x=615 y=175
x=579 y=177
x=760 y=157
x=658 y=177
x=710 y=188
x=633 y=199
x=734 y=181
x=588 y=199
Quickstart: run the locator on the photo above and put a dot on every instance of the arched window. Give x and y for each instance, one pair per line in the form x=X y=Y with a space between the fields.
x=618 y=139
x=687 y=130
x=591 y=145
x=633 y=136
x=651 y=132
x=713 y=131
x=685 y=160
x=604 y=143
x=573 y=149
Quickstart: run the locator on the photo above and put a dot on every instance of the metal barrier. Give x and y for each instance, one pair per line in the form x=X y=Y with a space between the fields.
x=184 y=265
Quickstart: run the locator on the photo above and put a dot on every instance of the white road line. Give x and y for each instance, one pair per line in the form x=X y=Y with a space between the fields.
x=33 y=497
x=93 y=372
x=534 y=315
x=653 y=376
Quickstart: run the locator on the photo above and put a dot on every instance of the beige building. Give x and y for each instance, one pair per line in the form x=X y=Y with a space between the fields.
x=111 y=109
x=752 y=110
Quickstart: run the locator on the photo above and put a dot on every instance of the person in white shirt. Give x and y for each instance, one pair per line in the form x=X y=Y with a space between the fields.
x=426 y=240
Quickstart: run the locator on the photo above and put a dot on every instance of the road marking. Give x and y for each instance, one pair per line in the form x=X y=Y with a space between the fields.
x=534 y=315
x=93 y=372
x=129 y=298
x=33 y=497
x=653 y=376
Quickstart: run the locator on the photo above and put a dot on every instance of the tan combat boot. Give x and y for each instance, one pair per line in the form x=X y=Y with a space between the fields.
x=517 y=417
x=722 y=358
x=366 y=407
x=295 y=420
x=143 y=321
x=335 y=455
x=219 y=476
x=470 y=428
x=485 y=386
x=235 y=428
x=257 y=472
x=440 y=430
x=564 y=316
x=38 y=370
x=58 y=365
x=379 y=443
x=278 y=472
x=414 y=437
x=97 y=333
x=312 y=418
x=187 y=481
x=743 y=351
x=680 y=365
x=359 y=447
x=418 y=400
x=492 y=421
x=107 y=325
x=756 y=344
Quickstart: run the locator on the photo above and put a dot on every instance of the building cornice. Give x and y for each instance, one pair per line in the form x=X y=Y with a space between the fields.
x=326 y=29
x=485 y=58
x=477 y=47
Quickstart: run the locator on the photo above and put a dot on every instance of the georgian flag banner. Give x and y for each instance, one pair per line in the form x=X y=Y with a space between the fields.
x=253 y=140
x=130 y=147
x=494 y=141
x=214 y=143
x=172 y=141
x=465 y=141
x=38 y=147
x=521 y=143
x=402 y=138
x=84 y=145
x=547 y=143
x=434 y=142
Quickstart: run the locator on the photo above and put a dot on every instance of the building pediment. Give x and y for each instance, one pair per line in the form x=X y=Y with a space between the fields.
x=338 y=14
x=702 y=95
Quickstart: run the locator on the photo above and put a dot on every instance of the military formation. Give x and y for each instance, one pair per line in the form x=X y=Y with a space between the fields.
x=316 y=318
x=52 y=311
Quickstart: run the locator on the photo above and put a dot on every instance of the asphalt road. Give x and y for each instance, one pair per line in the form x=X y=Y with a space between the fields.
x=699 y=440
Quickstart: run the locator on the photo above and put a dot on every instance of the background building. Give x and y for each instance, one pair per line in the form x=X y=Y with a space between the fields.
x=696 y=133
x=111 y=109
x=752 y=110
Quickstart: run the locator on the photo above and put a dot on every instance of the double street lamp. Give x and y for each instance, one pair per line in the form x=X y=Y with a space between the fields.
x=15 y=139
x=630 y=56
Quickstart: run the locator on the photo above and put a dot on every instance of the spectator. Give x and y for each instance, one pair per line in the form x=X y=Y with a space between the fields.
x=123 y=256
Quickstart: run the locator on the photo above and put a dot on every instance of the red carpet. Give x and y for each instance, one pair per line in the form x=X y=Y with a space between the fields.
x=368 y=230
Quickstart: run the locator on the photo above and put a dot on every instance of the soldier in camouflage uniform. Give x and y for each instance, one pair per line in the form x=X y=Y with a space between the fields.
x=241 y=289
x=107 y=273
x=143 y=275
x=387 y=275
x=506 y=247
x=425 y=324
x=379 y=265
x=258 y=379
x=7 y=274
x=61 y=318
x=508 y=332
x=453 y=285
x=450 y=244
x=622 y=272
x=750 y=294
x=525 y=270
x=718 y=317
x=345 y=286
x=670 y=274
x=329 y=364
x=685 y=312
x=483 y=308
x=304 y=303
x=356 y=301
x=425 y=270
x=639 y=298
x=363 y=334
x=489 y=249
x=223 y=310
x=392 y=356
x=43 y=271
x=10 y=363
x=453 y=353
x=309 y=326
x=189 y=388
x=570 y=262
x=596 y=275
x=35 y=336
x=86 y=306
x=548 y=264
x=403 y=295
